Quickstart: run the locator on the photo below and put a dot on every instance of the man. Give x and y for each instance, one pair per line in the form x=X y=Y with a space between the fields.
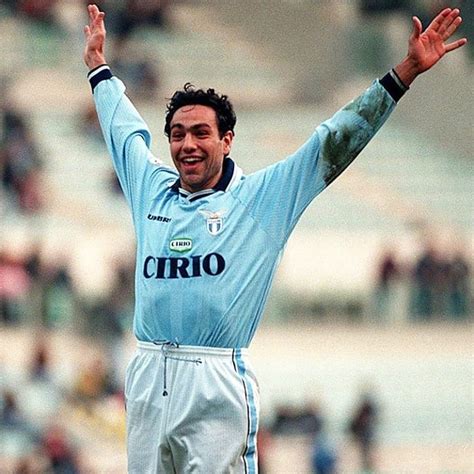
x=208 y=243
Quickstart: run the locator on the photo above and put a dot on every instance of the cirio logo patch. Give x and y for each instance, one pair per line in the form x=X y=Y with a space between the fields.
x=181 y=244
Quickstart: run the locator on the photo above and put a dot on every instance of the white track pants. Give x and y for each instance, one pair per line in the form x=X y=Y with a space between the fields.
x=191 y=410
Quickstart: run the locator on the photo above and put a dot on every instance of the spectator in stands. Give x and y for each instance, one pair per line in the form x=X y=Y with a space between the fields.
x=34 y=268
x=458 y=286
x=40 y=369
x=388 y=272
x=362 y=427
x=13 y=419
x=20 y=162
x=59 y=451
x=310 y=419
x=284 y=420
x=428 y=288
x=298 y=421
x=10 y=415
x=58 y=298
x=33 y=262
x=14 y=286
x=324 y=456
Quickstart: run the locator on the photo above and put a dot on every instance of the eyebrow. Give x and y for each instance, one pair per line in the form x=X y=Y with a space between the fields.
x=193 y=127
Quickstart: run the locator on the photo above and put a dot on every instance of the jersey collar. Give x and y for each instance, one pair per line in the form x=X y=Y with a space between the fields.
x=231 y=173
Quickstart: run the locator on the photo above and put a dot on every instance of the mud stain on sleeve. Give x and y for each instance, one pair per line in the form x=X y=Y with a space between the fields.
x=347 y=135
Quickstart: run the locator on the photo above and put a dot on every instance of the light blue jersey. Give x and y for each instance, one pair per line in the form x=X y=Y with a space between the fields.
x=205 y=261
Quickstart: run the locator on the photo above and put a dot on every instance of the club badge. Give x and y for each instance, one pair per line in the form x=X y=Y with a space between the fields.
x=214 y=220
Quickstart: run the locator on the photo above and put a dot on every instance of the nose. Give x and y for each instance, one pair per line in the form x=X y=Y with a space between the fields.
x=189 y=143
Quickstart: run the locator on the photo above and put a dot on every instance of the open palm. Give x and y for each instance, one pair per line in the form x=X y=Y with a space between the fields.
x=426 y=48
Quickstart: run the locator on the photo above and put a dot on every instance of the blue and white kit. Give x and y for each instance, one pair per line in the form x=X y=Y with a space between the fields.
x=204 y=266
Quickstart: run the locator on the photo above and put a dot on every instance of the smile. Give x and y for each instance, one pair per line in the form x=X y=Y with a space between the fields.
x=191 y=159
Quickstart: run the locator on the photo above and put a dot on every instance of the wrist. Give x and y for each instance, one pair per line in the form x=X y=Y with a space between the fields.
x=93 y=61
x=407 y=71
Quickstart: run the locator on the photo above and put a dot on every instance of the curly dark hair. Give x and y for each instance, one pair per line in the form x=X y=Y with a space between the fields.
x=189 y=95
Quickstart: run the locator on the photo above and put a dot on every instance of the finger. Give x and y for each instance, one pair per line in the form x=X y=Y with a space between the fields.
x=87 y=32
x=99 y=19
x=455 y=45
x=93 y=13
x=448 y=21
x=93 y=9
x=417 y=27
x=452 y=28
x=436 y=23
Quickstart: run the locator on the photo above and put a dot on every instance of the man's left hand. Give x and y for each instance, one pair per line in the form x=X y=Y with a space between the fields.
x=426 y=48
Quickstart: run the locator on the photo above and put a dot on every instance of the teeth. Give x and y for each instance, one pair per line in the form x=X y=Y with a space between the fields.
x=191 y=160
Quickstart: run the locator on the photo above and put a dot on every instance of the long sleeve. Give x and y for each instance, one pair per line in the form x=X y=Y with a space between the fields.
x=126 y=134
x=278 y=195
x=345 y=135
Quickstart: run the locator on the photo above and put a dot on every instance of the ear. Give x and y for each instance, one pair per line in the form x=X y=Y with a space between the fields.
x=227 y=140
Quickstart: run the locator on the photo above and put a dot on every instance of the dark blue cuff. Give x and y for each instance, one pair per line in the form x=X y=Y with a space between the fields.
x=394 y=85
x=99 y=74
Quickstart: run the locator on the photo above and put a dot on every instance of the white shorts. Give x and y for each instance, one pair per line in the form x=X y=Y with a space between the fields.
x=191 y=410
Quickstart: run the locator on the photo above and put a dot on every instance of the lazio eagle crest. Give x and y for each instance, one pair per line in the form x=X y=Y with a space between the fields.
x=214 y=220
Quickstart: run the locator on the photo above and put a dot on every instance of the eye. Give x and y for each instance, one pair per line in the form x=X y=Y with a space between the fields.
x=177 y=136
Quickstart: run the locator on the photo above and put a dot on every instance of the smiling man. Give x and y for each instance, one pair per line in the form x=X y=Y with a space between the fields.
x=197 y=147
x=209 y=240
x=198 y=142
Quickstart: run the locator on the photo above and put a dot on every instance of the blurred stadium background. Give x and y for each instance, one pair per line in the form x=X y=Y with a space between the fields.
x=378 y=319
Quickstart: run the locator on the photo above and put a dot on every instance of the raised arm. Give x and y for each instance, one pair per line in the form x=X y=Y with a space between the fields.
x=426 y=48
x=125 y=132
x=293 y=183
x=95 y=33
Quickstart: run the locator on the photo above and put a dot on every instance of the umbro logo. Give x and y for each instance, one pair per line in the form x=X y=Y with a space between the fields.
x=151 y=217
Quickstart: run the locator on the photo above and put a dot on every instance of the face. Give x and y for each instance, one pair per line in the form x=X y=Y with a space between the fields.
x=196 y=147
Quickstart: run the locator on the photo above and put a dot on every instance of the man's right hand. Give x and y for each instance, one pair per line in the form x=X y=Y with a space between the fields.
x=95 y=38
